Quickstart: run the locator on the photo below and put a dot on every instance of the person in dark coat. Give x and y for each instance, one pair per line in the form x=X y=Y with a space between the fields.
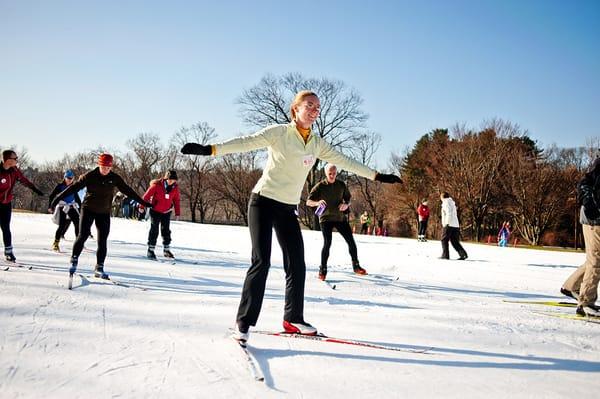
x=67 y=209
x=100 y=183
x=332 y=199
x=10 y=174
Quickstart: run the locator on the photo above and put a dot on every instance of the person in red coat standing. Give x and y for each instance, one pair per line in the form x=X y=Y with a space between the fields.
x=423 y=212
x=9 y=176
x=163 y=194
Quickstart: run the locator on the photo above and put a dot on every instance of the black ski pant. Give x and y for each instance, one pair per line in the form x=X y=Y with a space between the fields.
x=451 y=234
x=162 y=221
x=264 y=215
x=344 y=229
x=5 y=215
x=64 y=222
x=423 y=227
x=102 y=221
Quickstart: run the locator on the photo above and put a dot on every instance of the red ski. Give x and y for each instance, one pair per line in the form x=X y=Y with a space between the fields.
x=345 y=341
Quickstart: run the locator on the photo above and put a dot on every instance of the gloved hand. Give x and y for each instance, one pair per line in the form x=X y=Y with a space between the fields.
x=147 y=204
x=38 y=192
x=196 y=149
x=387 y=178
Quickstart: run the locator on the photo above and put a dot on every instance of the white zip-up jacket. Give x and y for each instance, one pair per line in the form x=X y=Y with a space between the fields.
x=449 y=216
x=289 y=160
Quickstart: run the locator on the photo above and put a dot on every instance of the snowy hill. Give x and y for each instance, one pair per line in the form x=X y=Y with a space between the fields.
x=166 y=335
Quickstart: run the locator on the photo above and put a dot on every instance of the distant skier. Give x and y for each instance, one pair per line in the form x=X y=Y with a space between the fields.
x=583 y=282
x=365 y=222
x=423 y=212
x=67 y=209
x=334 y=197
x=293 y=149
x=9 y=176
x=163 y=194
x=504 y=235
x=101 y=183
x=451 y=228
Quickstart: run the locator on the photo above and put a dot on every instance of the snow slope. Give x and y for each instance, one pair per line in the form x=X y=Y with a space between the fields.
x=166 y=336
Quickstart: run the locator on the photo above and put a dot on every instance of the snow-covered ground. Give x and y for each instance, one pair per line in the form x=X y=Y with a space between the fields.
x=170 y=339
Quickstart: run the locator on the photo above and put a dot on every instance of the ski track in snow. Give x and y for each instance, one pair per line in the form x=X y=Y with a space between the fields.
x=167 y=335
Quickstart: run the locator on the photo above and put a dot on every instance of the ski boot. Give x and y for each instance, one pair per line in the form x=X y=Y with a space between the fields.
x=168 y=254
x=322 y=273
x=99 y=272
x=55 y=246
x=463 y=256
x=150 y=254
x=8 y=254
x=300 y=327
x=73 y=267
x=241 y=333
x=358 y=270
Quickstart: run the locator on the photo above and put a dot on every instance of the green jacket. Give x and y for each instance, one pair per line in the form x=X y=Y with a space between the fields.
x=289 y=160
x=334 y=194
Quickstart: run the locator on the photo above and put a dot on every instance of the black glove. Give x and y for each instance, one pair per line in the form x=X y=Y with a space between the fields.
x=38 y=192
x=591 y=210
x=196 y=149
x=147 y=205
x=387 y=178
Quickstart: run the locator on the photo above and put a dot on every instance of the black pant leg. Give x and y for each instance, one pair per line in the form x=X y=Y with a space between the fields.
x=85 y=225
x=5 y=216
x=445 y=239
x=423 y=227
x=260 y=225
x=290 y=240
x=344 y=229
x=165 y=228
x=326 y=230
x=63 y=224
x=455 y=241
x=154 y=225
x=74 y=216
x=103 y=228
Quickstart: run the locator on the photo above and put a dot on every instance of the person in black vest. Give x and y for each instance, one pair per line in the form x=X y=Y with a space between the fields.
x=101 y=183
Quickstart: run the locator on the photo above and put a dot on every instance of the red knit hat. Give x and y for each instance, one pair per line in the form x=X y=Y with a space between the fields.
x=105 y=159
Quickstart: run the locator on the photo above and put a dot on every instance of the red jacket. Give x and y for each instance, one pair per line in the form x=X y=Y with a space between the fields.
x=8 y=179
x=423 y=211
x=162 y=201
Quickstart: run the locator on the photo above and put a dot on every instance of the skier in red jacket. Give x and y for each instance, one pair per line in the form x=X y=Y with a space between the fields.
x=423 y=211
x=9 y=176
x=163 y=194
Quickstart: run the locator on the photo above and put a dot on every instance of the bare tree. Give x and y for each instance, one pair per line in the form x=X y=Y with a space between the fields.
x=142 y=163
x=194 y=181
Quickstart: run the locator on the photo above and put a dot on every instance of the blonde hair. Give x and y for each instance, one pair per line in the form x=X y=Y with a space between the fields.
x=300 y=96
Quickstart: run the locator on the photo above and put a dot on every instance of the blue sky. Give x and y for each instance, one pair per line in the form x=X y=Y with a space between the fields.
x=78 y=74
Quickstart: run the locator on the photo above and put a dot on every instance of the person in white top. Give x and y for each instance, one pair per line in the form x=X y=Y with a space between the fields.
x=293 y=149
x=451 y=228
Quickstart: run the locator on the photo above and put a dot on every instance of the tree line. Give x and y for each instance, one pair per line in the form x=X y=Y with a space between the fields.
x=495 y=172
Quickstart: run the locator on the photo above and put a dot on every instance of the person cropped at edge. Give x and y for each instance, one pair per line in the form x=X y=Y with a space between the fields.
x=10 y=174
x=334 y=196
x=293 y=149
x=96 y=206
x=451 y=228
x=67 y=209
x=583 y=282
